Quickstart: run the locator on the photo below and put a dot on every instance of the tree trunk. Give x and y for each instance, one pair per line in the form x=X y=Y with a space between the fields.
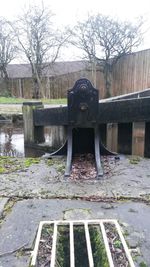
x=37 y=82
x=5 y=78
x=36 y=89
x=108 y=79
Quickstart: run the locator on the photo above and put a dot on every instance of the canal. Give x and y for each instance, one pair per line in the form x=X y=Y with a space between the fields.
x=12 y=141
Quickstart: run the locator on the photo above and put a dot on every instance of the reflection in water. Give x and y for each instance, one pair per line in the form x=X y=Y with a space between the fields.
x=11 y=140
x=33 y=152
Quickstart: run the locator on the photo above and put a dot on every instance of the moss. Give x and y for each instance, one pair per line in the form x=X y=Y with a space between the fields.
x=125 y=233
x=59 y=164
x=80 y=248
x=9 y=205
x=81 y=258
x=2 y=170
x=44 y=192
x=11 y=164
x=20 y=253
x=117 y=244
x=143 y=264
x=50 y=162
x=146 y=197
x=134 y=160
x=63 y=253
x=7 y=209
x=29 y=161
x=47 y=230
x=60 y=168
x=98 y=247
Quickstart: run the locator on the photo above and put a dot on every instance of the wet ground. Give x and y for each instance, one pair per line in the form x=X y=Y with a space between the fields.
x=38 y=191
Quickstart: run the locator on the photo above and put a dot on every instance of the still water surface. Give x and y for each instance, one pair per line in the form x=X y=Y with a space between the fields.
x=12 y=141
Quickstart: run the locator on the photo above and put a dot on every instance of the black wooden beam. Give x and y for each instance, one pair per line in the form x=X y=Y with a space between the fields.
x=119 y=111
x=51 y=116
x=126 y=110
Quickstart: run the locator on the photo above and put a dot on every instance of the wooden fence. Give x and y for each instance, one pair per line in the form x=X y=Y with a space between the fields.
x=130 y=74
x=52 y=87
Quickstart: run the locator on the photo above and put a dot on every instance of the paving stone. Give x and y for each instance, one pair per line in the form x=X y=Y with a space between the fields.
x=14 y=261
x=21 y=224
x=3 y=202
x=108 y=206
x=77 y=214
x=42 y=180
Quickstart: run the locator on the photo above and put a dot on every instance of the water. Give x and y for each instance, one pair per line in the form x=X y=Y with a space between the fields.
x=11 y=140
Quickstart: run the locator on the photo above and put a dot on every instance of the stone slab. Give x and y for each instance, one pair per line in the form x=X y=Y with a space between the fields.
x=20 y=226
x=3 y=202
x=14 y=261
x=124 y=178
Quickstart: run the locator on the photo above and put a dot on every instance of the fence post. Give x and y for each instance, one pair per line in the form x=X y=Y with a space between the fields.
x=112 y=137
x=32 y=133
x=138 y=138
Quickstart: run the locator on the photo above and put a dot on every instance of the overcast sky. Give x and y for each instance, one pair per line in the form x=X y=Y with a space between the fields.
x=69 y=11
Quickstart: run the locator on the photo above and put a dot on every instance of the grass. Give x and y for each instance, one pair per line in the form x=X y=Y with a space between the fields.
x=13 y=100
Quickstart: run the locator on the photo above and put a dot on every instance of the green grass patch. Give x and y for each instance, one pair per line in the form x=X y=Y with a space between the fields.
x=61 y=101
x=14 y=100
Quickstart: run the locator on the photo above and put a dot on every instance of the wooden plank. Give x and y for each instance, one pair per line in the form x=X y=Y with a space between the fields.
x=32 y=133
x=131 y=73
x=138 y=138
x=127 y=110
x=51 y=116
x=112 y=137
x=120 y=111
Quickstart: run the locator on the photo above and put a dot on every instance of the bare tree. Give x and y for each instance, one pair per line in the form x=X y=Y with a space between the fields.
x=104 y=40
x=8 y=49
x=38 y=40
